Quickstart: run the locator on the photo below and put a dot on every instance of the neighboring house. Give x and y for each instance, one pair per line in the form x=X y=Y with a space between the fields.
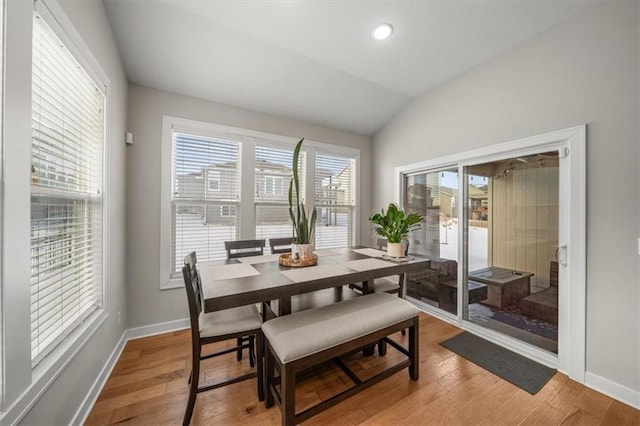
x=333 y=193
x=479 y=202
x=218 y=184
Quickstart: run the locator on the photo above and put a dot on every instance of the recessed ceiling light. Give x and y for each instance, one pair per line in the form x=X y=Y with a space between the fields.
x=382 y=31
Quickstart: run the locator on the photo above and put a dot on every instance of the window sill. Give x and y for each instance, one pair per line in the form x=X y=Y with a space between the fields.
x=172 y=284
x=48 y=370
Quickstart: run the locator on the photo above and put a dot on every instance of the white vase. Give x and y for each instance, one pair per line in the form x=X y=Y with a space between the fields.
x=395 y=249
x=302 y=251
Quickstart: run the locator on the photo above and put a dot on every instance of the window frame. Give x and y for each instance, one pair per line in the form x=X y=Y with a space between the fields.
x=2 y=90
x=246 y=208
x=89 y=200
x=53 y=15
x=571 y=144
x=354 y=186
x=24 y=383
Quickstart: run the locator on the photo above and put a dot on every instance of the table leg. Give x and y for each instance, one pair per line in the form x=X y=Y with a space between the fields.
x=284 y=305
x=401 y=283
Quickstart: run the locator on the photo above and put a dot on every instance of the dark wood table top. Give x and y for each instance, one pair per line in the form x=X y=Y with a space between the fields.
x=237 y=282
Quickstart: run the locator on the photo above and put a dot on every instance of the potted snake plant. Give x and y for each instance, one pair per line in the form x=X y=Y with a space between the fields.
x=304 y=227
x=395 y=225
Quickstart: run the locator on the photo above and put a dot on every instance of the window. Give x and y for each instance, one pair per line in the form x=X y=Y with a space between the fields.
x=214 y=180
x=228 y=184
x=335 y=200
x=272 y=185
x=66 y=192
x=203 y=219
x=2 y=6
x=227 y=211
x=272 y=169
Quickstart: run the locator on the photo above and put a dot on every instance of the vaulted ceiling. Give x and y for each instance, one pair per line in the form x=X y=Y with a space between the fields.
x=315 y=60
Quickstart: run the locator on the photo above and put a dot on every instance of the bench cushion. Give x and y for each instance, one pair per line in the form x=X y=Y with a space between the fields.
x=305 y=333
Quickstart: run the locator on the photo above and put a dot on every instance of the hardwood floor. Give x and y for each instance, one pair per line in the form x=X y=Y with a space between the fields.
x=149 y=386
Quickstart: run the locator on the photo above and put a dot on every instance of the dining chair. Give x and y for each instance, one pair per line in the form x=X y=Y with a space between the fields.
x=244 y=248
x=212 y=327
x=280 y=245
x=390 y=284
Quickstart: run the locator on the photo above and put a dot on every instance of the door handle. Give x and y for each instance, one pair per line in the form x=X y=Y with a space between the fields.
x=561 y=255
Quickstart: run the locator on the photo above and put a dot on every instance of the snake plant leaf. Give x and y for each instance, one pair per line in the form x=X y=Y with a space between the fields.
x=303 y=226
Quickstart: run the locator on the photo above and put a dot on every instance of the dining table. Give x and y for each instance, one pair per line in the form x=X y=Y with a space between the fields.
x=242 y=281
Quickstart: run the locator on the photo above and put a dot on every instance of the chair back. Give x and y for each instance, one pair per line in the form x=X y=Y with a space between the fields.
x=553 y=273
x=244 y=248
x=280 y=245
x=194 y=292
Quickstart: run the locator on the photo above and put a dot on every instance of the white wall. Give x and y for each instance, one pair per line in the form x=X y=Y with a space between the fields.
x=583 y=71
x=57 y=402
x=147 y=304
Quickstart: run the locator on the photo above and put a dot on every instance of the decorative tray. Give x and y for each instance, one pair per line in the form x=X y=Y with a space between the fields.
x=396 y=259
x=287 y=260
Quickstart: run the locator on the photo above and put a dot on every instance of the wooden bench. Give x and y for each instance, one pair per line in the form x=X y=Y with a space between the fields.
x=306 y=339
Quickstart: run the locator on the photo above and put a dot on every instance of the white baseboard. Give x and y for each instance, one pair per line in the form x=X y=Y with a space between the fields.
x=81 y=415
x=614 y=390
x=152 y=330
x=129 y=334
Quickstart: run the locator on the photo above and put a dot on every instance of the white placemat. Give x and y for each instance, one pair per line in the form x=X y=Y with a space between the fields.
x=312 y=273
x=370 y=252
x=259 y=259
x=328 y=252
x=225 y=272
x=367 y=264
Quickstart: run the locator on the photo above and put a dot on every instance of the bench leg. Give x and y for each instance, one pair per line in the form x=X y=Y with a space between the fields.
x=382 y=347
x=288 y=386
x=414 y=355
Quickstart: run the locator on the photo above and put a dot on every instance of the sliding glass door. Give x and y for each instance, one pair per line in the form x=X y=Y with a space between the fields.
x=509 y=272
x=504 y=229
x=434 y=195
x=511 y=231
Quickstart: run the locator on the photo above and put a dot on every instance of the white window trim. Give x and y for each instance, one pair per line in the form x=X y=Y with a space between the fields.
x=54 y=16
x=571 y=357
x=45 y=373
x=249 y=139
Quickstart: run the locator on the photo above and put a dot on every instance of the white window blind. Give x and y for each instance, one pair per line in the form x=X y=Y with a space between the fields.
x=66 y=192
x=272 y=176
x=335 y=184
x=206 y=196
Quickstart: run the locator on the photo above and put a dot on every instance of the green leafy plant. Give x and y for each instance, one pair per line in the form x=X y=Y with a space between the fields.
x=303 y=228
x=395 y=225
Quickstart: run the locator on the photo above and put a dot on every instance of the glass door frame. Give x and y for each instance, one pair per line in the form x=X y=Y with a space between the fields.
x=571 y=146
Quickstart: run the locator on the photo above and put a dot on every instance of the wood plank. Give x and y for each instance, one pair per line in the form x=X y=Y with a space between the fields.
x=621 y=414
x=451 y=390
